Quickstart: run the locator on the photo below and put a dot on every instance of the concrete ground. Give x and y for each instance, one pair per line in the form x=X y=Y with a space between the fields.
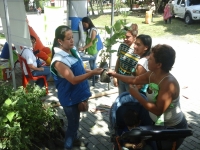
x=94 y=124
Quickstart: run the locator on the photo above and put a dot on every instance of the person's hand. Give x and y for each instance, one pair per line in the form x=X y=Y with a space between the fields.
x=97 y=71
x=81 y=49
x=115 y=82
x=129 y=145
x=110 y=72
x=140 y=145
x=41 y=69
x=133 y=90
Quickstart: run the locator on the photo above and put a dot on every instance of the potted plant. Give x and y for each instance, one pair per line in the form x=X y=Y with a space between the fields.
x=117 y=34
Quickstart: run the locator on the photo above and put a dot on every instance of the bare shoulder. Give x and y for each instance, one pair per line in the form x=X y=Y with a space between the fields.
x=171 y=85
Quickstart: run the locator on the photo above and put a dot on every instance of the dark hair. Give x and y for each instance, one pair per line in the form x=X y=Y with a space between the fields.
x=32 y=37
x=131 y=118
x=165 y=55
x=59 y=34
x=89 y=21
x=147 y=41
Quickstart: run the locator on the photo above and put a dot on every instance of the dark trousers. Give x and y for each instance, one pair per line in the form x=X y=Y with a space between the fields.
x=168 y=20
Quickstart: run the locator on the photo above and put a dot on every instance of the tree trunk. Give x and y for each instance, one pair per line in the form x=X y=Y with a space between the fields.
x=158 y=4
x=90 y=3
x=131 y=5
x=101 y=6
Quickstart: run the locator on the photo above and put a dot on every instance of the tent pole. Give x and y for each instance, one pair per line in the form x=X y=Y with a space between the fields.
x=9 y=43
x=68 y=23
x=112 y=22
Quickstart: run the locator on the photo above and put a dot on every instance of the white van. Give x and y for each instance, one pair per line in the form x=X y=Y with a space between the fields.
x=189 y=10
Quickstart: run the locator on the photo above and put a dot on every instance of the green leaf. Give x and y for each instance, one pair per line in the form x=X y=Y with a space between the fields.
x=117 y=25
x=10 y=116
x=108 y=30
x=8 y=102
x=5 y=119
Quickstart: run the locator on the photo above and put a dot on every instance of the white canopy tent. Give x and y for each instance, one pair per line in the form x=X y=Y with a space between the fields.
x=13 y=17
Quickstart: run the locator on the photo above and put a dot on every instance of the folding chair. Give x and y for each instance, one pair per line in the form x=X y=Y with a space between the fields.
x=26 y=79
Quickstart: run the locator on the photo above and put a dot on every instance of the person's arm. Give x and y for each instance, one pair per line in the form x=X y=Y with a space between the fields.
x=66 y=72
x=129 y=145
x=163 y=100
x=93 y=36
x=139 y=71
x=142 y=79
x=115 y=82
x=117 y=65
x=31 y=66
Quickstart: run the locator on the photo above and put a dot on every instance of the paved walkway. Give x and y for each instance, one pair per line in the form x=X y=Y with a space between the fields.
x=94 y=124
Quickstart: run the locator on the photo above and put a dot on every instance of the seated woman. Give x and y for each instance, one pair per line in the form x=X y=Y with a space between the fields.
x=31 y=59
x=163 y=93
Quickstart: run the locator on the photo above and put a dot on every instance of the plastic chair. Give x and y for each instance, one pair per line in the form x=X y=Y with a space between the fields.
x=25 y=79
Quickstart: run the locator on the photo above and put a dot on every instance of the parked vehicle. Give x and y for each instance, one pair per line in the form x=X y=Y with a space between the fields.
x=189 y=10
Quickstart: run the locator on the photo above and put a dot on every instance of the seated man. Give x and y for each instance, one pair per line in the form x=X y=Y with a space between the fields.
x=31 y=59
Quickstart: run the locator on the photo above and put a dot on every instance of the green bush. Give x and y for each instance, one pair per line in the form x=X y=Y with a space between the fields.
x=23 y=117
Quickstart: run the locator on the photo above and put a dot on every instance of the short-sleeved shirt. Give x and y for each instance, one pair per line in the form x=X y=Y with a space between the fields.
x=127 y=60
x=27 y=53
x=144 y=63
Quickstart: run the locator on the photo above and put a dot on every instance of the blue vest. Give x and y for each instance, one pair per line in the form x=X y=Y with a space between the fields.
x=69 y=94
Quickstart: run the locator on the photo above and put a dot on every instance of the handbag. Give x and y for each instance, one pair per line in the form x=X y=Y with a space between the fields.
x=99 y=43
x=83 y=106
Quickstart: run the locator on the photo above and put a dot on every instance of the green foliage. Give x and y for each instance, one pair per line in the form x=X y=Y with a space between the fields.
x=23 y=117
x=125 y=14
x=2 y=36
x=40 y=3
x=117 y=33
x=118 y=5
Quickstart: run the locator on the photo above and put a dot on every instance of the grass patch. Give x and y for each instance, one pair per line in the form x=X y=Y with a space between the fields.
x=177 y=30
x=2 y=36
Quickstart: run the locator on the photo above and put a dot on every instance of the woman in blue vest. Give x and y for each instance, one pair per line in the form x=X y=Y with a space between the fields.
x=70 y=80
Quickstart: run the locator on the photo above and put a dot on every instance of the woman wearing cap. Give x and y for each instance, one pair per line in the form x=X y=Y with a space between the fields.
x=126 y=60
